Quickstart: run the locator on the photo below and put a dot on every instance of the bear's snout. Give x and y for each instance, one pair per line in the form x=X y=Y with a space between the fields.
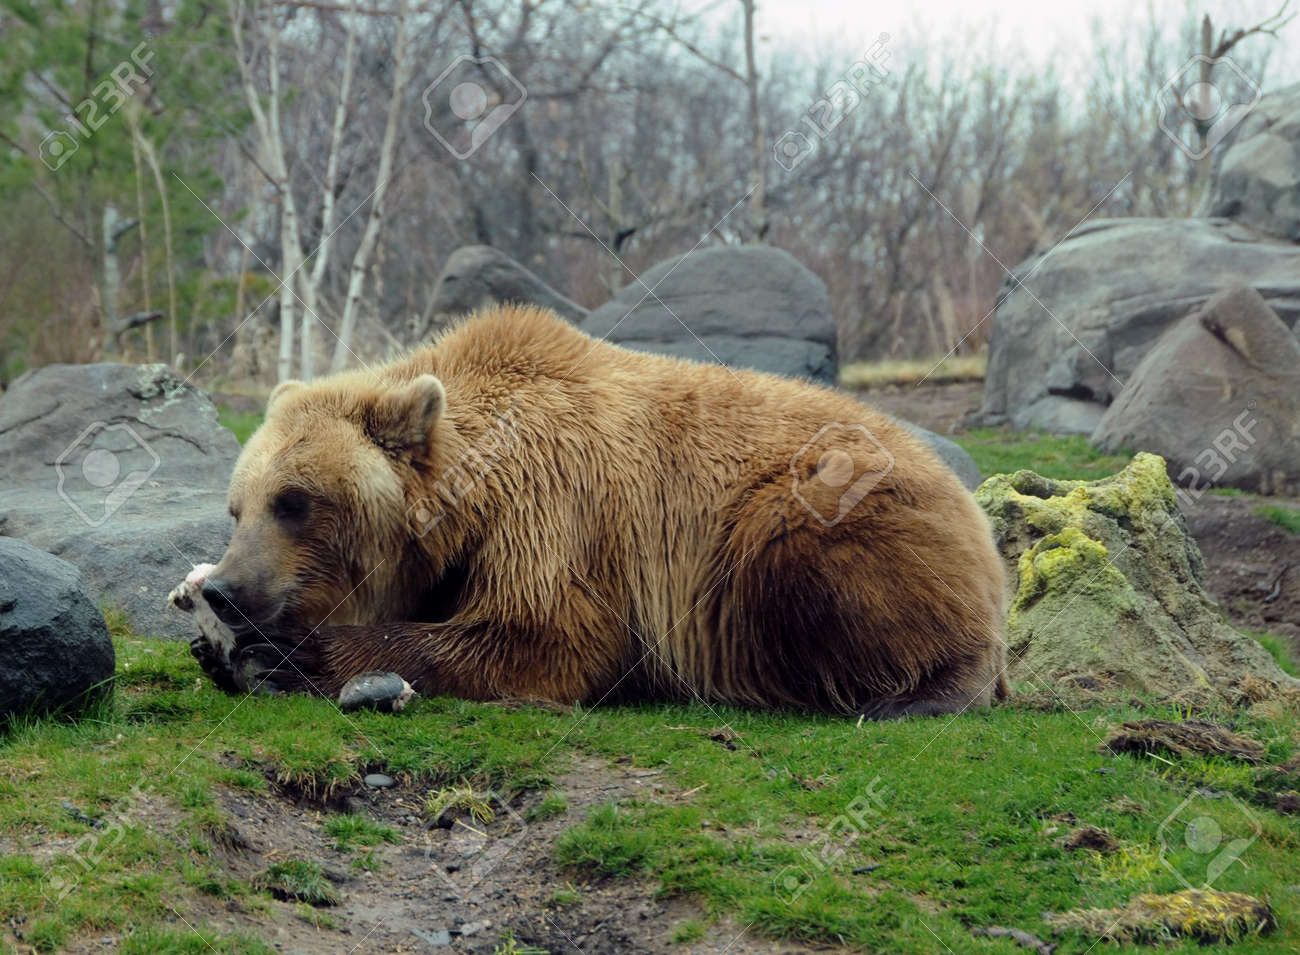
x=224 y=599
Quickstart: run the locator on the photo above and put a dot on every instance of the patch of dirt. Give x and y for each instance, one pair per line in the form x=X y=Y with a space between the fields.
x=940 y=408
x=1093 y=838
x=1252 y=566
x=457 y=889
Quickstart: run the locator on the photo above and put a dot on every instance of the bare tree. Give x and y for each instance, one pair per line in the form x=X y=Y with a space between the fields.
x=383 y=177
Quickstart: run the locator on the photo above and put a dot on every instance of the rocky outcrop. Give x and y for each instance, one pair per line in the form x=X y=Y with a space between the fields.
x=1218 y=396
x=751 y=307
x=55 y=652
x=1096 y=304
x=1072 y=326
x=478 y=276
x=1108 y=593
x=1256 y=180
x=122 y=471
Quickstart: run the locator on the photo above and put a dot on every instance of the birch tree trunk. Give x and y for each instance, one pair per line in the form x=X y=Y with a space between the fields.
x=145 y=285
x=758 y=200
x=268 y=129
x=361 y=260
x=151 y=157
x=311 y=282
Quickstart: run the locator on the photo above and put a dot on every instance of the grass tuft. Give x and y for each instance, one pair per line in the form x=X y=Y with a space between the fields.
x=1060 y=457
x=1287 y=518
x=350 y=831
x=298 y=880
x=242 y=423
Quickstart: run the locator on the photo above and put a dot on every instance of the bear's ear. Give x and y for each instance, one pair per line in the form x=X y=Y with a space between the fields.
x=282 y=389
x=404 y=416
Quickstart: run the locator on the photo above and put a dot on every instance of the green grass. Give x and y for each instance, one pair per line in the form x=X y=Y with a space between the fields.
x=1287 y=518
x=812 y=828
x=350 y=831
x=242 y=423
x=1279 y=648
x=300 y=880
x=1054 y=456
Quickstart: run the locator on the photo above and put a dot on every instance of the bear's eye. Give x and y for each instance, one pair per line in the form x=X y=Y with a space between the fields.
x=290 y=506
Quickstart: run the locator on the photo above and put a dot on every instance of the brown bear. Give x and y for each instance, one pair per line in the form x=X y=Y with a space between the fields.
x=521 y=511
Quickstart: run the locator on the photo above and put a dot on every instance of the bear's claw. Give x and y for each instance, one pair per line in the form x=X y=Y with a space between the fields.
x=282 y=661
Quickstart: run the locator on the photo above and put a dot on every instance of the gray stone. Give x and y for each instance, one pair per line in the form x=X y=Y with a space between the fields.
x=1097 y=303
x=1218 y=396
x=478 y=276
x=55 y=649
x=950 y=452
x=752 y=306
x=1058 y=415
x=1256 y=180
x=121 y=470
x=379 y=781
x=377 y=691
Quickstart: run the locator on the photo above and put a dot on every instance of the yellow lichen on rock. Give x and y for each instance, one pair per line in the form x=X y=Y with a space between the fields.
x=1107 y=590
x=1065 y=559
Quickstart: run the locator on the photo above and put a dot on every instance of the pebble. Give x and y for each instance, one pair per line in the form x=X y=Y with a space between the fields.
x=439 y=937
x=386 y=692
x=380 y=781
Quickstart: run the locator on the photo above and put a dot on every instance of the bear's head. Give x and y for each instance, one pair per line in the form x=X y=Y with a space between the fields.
x=320 y=498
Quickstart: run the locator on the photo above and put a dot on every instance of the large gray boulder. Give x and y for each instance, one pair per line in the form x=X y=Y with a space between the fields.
x=749 y=306
x=1063 y=350
x=121 y=470
x=950 y=453
x=478 y=276
x=1257 y=179
x=1218 y=396
x=55 y=651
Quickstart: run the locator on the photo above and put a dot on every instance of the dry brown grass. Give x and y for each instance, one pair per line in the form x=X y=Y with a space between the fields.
x=911 y=371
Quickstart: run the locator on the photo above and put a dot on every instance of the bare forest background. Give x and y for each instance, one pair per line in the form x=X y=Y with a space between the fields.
x=229 y=143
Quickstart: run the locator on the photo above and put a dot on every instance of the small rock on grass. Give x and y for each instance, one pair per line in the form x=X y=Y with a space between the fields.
x=379 y=781
x=1023 y=939
x=386 y=692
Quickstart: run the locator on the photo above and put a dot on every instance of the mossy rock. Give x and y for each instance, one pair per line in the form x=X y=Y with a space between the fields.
x=1108 y=593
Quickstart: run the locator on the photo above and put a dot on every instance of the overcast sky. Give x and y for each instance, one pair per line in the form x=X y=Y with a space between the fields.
x=1037 y=29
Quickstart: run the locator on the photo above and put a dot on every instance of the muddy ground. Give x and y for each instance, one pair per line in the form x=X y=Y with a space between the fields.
x=457 y=889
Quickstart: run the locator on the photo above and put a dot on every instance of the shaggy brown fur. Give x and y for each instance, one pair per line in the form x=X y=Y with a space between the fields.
x=553 y=517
